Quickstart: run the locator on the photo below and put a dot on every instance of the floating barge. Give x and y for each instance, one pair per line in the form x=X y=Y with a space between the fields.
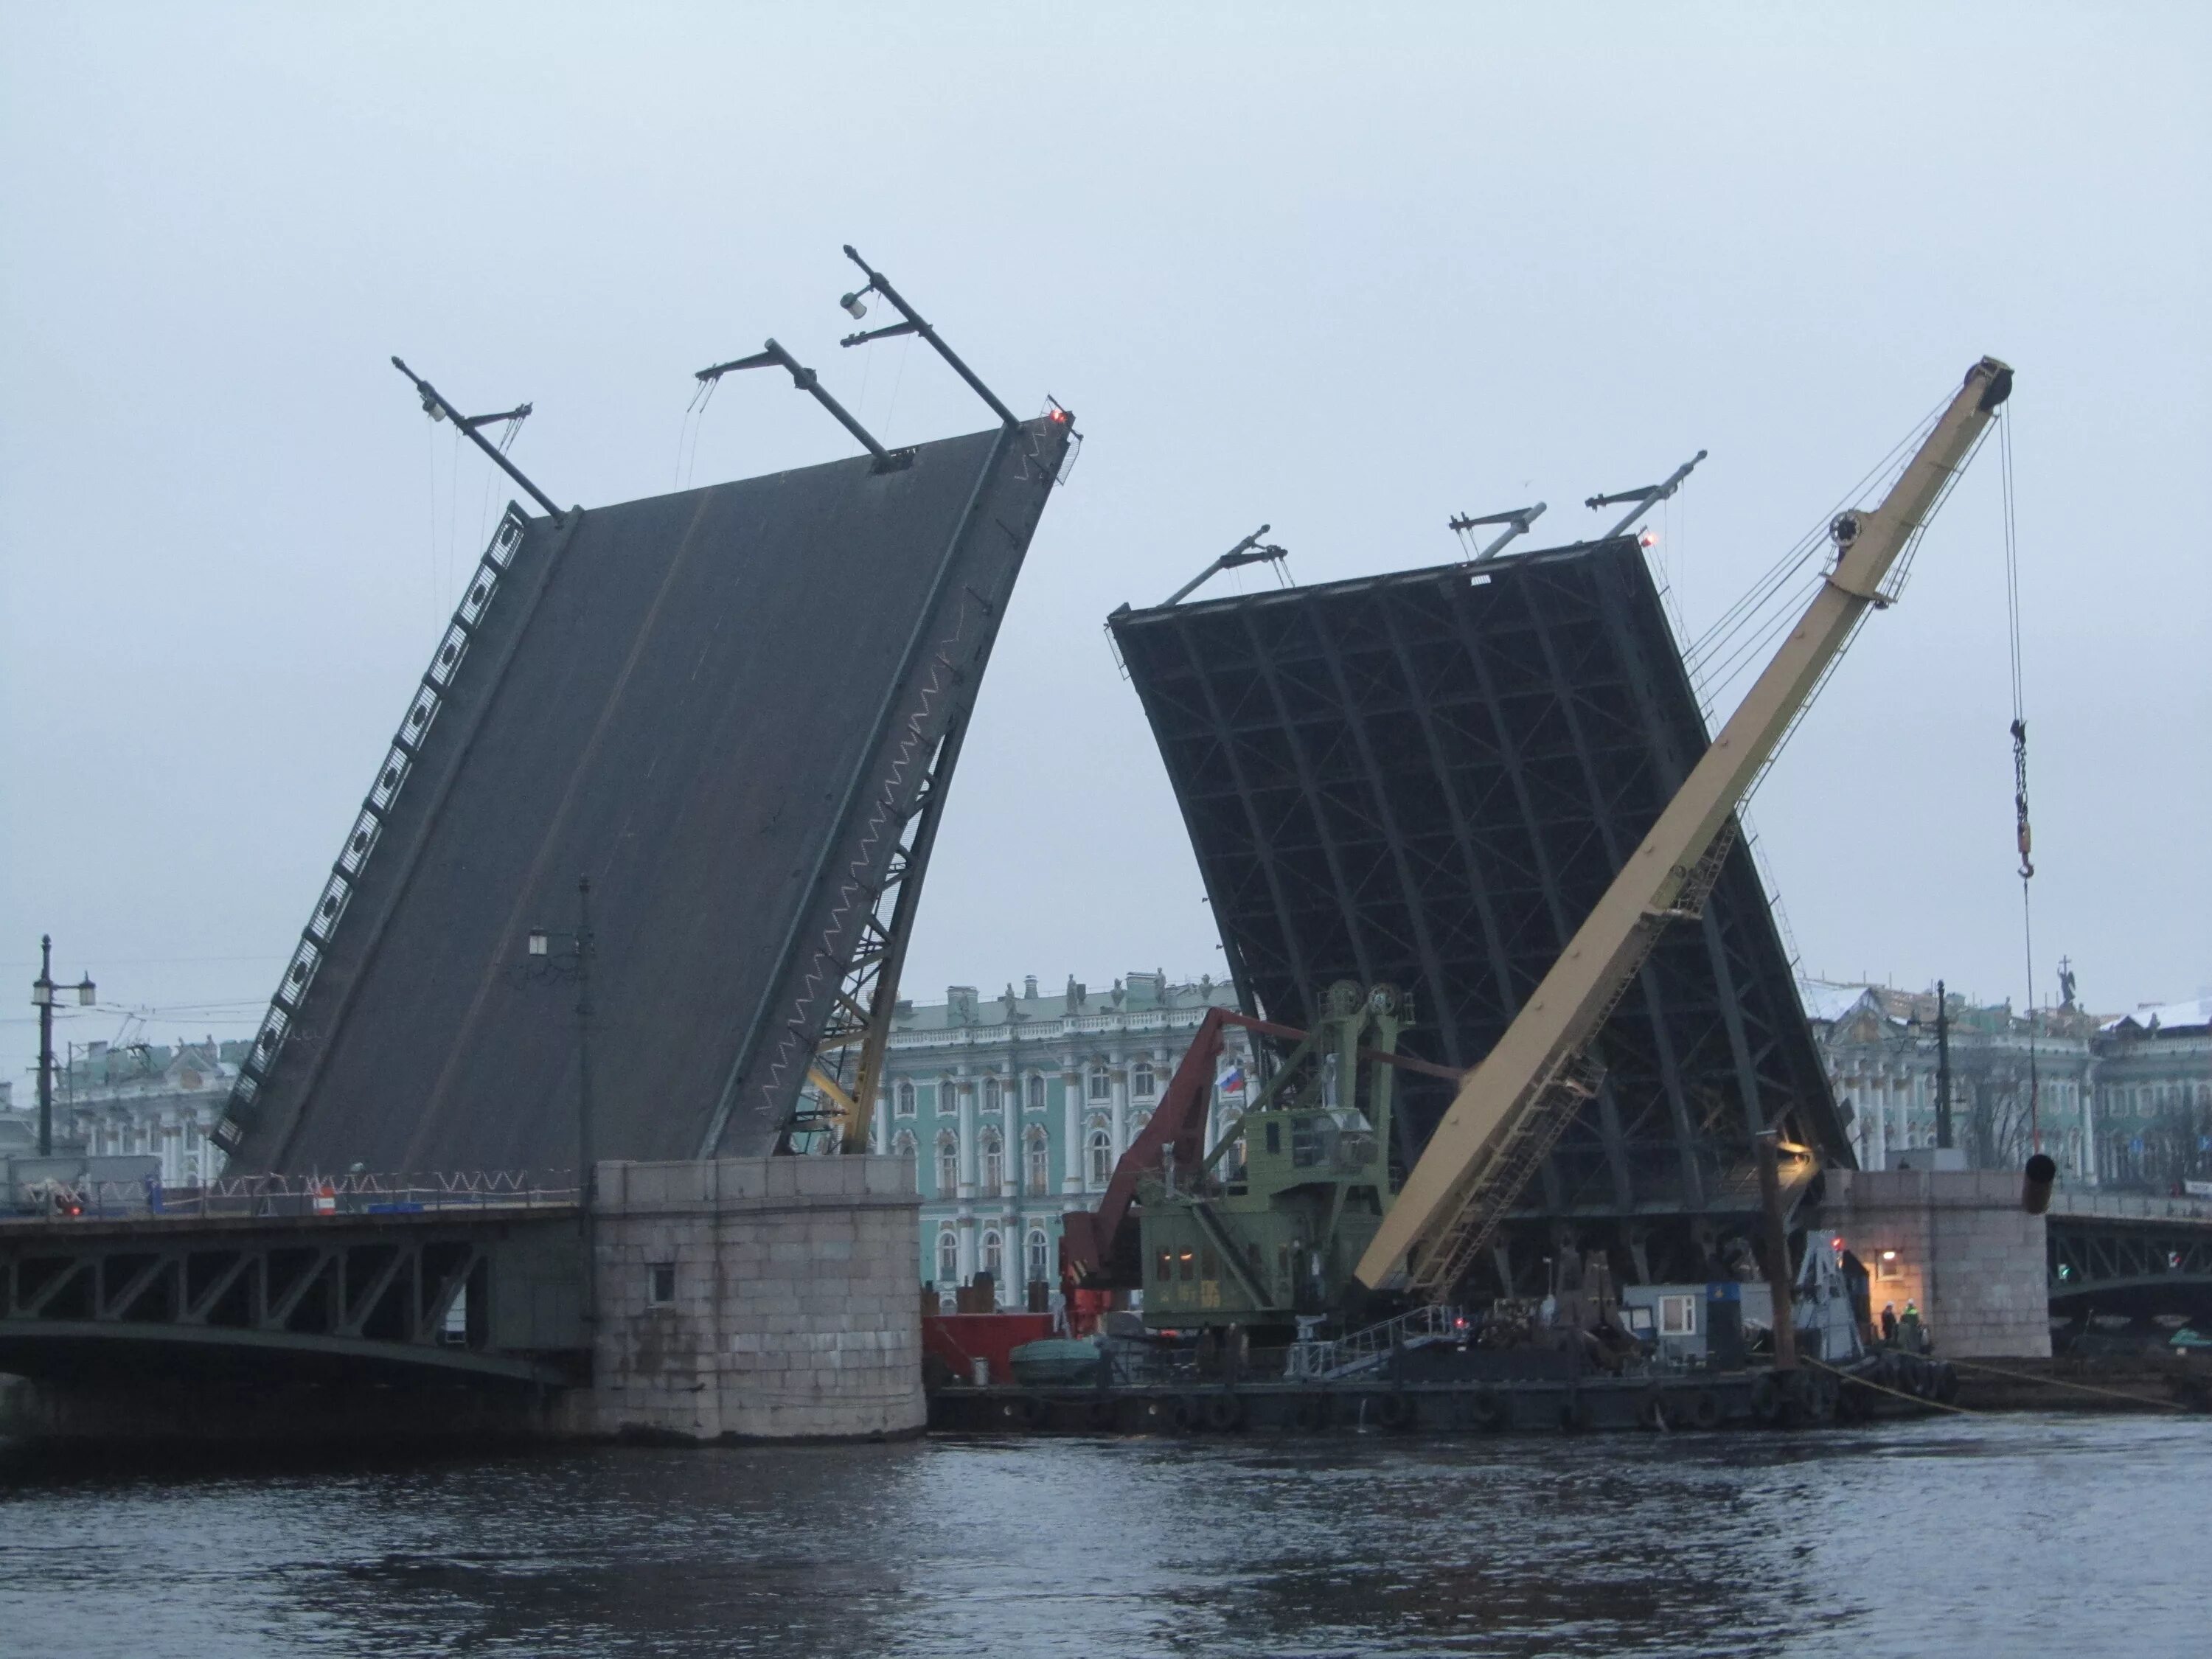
x=1893 y=1386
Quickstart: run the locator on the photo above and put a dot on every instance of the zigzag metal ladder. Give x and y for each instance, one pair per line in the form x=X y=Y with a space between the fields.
x=369 y=825
x=1551 y=1103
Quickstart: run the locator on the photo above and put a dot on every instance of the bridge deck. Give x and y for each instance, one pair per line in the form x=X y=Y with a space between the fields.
x=717 y=705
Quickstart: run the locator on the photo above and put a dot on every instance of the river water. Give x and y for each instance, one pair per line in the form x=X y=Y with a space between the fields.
x=2083 y=1536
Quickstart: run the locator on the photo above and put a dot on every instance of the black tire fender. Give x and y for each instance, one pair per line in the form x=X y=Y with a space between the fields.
x=1225 y=1414
x=1394 y=1412
x=1704 y=1409
x=1766 y=1398
x=1485 y=1410
x=1309 y=1415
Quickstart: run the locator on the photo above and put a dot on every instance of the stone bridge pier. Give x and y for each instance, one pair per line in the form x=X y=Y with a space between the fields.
x=754 y=1298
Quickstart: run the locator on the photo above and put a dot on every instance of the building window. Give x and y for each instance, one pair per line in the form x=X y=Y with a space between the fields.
x=1102 y=1086
x=1888 y=1267
x=991 y=1102
x=994 y=1252
x=993 y=1159
x=948 y=1257
x=1037 y=1162
x=1677 y=1316
x=1140 y=1079
x=1040 y=1254
x=1102 y=1158
x=661 y=1284
x=948 y=1164
x=902 y=1146
x=1037 y=1093
x=904 y=1107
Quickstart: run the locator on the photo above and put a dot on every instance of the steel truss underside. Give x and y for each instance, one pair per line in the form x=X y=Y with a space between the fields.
x=1429 y=778
x=329 y=1297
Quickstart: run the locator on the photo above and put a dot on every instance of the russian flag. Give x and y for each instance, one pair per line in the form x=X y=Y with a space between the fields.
x=1231 y=1082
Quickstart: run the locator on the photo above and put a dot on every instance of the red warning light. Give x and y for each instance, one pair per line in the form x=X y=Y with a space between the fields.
x=1648 y=539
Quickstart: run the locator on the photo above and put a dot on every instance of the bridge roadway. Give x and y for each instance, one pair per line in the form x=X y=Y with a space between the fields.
x=485 y=1292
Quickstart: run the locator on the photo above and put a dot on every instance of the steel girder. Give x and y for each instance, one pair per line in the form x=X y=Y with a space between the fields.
x=2093 y=1254
x=1429 y=778
x=365 y=1295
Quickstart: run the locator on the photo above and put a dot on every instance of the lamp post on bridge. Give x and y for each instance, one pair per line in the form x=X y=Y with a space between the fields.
x=574 y=958
x=42 y=998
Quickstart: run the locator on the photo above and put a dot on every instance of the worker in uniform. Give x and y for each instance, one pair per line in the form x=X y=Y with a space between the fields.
x=1909 y=1327
x=1889 y=1324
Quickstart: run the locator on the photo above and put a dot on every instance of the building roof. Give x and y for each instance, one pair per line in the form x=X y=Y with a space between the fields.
x=1140 y=992
x=2195 y=1014
x=1830 y=1003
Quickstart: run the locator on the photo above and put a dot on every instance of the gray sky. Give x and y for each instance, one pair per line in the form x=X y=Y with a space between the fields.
x=1349 y=274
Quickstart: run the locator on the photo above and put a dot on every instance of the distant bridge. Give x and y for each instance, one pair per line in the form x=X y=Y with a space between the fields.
x=2117 y=1253
x=482 y=1290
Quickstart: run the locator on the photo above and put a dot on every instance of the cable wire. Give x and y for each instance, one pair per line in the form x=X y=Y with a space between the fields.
x=2021 y=835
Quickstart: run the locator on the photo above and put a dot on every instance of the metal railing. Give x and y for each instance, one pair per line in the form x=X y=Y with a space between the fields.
x=61 y=1202
x=1366 y=1349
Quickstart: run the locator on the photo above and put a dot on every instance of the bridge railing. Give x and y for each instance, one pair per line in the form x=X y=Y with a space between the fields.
x=62 y=1201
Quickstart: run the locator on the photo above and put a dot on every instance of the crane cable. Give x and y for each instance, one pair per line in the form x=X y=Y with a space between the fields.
x=2022 y=836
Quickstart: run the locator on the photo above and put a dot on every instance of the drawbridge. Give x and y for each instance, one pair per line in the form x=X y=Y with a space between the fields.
x=1428 y=779
x=733 y=711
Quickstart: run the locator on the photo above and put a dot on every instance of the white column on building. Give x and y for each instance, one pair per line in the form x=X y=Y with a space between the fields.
x=1118 y=1070
x=2088 y=1086
x=1012 y=1170
x=1871 y=1104
x=965 y=1092
x=880 y=1128
x=1073 y=1152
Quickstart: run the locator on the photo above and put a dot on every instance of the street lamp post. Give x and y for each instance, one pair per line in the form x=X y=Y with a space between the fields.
x=42 y=998
x=575 y=957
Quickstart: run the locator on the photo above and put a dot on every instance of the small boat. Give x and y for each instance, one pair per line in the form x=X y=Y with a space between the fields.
x=1054 y=1361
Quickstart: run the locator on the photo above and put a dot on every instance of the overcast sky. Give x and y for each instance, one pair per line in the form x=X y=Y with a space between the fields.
x=1346 y=273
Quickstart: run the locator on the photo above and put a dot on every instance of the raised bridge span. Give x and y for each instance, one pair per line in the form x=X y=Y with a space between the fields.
x=734 y=709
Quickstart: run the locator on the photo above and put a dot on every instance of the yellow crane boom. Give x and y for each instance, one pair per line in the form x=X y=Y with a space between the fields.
x=1511 y=1107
